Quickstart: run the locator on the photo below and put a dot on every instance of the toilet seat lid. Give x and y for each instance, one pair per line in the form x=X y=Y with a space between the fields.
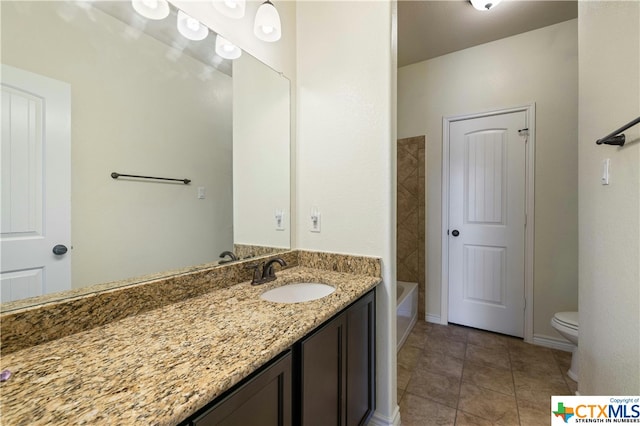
x=568 y=318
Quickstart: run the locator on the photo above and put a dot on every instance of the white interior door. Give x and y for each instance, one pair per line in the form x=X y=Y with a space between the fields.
x=487 y=222
x=36 y=211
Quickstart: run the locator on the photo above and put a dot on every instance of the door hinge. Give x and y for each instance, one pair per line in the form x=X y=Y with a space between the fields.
x=525 y=219
x=525 y=303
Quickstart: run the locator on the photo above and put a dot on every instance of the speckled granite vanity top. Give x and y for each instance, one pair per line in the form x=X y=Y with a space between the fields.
x=160 y=366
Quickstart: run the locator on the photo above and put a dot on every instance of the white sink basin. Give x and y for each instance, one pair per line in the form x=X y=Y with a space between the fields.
x=296 y=293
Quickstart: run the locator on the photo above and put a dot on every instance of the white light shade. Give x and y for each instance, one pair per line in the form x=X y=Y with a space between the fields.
x=191 y=28
x=151 y=9
x=267 y=24
x=230 y=8
x=227 y=50
x=485 y=5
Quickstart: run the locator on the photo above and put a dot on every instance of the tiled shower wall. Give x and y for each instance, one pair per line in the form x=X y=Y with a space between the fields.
x=411 y=216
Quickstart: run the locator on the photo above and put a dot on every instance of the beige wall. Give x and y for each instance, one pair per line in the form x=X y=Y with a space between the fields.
x=539 y=66
x=123 y=91
x=346 y=150
x=261 y=170
x=609 y=345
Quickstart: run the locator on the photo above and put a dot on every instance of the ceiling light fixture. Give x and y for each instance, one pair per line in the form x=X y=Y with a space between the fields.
x=484 y=5
x=227 y=50
x=230 y=8
x=151 y=9
x=191 y=28
x=267 y=24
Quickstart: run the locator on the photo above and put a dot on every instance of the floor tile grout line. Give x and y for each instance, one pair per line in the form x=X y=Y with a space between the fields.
x=562 y=373
x=515 y=390
x=464 y=362
x=457 y=334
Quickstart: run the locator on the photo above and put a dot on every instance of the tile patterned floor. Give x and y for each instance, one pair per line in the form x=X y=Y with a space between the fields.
x=451 y=375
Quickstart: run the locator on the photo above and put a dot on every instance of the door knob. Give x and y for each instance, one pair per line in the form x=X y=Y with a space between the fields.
x=59 y=250
x=455 y=233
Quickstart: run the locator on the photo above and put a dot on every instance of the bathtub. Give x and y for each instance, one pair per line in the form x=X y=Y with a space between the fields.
x=406 y=310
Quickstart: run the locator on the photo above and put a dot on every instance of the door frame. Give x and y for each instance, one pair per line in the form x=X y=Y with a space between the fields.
x=530 y=110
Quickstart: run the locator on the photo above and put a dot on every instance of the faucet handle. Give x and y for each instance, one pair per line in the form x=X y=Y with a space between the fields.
x=256 y=272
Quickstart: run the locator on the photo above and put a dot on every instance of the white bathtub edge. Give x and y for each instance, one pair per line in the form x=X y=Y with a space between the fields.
x=409 y=291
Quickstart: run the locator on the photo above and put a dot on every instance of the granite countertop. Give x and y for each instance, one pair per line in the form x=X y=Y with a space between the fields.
x=161 y=366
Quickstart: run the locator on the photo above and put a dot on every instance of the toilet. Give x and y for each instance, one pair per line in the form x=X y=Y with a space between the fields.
x=566 y=323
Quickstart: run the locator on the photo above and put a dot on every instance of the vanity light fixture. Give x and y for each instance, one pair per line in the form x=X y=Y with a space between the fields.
x=230 y=8
x=267 y=23
x=484 y=5
x=191 y=28
x=151 y=9
x=227 y=50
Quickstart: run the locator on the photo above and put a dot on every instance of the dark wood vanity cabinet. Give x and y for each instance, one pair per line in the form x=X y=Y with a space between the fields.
x=328 y=378
x=263 y=400
x=320 y=376
x=361 y=360
x=335 y=368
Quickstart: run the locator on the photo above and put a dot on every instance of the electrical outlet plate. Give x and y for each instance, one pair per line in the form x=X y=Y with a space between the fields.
x=279 y=216
x=315 y=220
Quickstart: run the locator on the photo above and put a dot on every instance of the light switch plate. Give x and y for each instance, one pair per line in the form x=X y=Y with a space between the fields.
x=279 y=216
x=605 y=171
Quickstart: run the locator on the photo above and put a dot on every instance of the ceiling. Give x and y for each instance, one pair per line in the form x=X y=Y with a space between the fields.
x=427 y=29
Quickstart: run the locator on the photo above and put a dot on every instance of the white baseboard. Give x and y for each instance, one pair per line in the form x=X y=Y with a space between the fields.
x=380 y=420
x=553 y=343
x=432 y=318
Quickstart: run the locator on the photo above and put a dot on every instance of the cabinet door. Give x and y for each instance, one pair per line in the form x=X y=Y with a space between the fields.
x=322 y=367
x=265 y=400
x=337 y=369
x=360 y=373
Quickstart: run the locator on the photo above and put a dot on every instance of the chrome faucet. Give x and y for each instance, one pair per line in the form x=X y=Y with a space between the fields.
x=268 y=274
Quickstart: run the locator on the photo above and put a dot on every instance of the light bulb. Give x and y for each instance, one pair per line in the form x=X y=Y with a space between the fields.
x=227 y=50
x=151 y=9
x=231 y=4
x=190 y=27
x=484 y=5
x=230 y=8
x=193 y=24
x=267 y=24
x=151 y=4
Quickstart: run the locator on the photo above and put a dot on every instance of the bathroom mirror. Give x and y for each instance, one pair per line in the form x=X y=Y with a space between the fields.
x=142 y=100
